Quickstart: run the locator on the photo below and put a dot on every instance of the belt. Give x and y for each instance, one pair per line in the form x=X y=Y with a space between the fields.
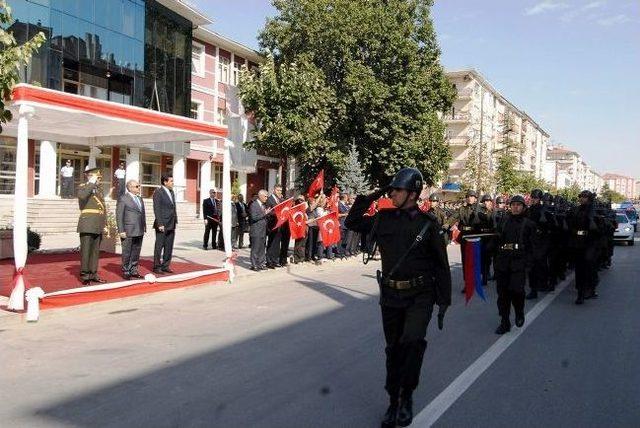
x=582 y=232
x=91 y=211
x=403 y=285
x=510 y=247
x=466 y=228
x=486 y=230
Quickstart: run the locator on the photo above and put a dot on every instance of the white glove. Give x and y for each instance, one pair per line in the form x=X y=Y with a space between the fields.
x=93 y=179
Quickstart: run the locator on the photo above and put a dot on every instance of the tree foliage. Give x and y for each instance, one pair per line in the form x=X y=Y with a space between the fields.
x=353 y=180
x=12 y=57
x=381 y=61
x=611 y=195
x=507 y=178
x=570 y=193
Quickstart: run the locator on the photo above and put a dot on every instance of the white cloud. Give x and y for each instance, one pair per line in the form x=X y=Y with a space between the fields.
x=594 y=5
x=545 y=6
x=613 y=20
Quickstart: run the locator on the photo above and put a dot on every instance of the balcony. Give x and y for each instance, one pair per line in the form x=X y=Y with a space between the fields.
x=465 y=94
x=457 y=118
x=458 y=141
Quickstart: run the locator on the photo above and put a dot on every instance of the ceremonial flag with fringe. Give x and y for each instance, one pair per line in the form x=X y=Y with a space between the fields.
x=473 y=268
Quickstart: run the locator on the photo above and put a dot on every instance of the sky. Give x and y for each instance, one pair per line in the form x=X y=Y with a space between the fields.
x=572 y=65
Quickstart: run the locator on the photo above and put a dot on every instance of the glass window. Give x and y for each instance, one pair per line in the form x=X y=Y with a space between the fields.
x=196 y=110
x=115 y=16
x=85 y=9
x=56 y=30
x=197 y=59
x=139 y=22
x=221 y=119
x=101 y=13
x=223 y=70
x=70 y=40
x=128 y=18
x=7 y=166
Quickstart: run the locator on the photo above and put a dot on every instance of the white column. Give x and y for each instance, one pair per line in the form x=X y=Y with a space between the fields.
x=226 y=207
x=215 y=87
x=179 y=177
x=133 y=164
x=48 y=169
x=93 y=153
x=242 y=181
x=16 y=300
x=205 y=181
x=272 y=179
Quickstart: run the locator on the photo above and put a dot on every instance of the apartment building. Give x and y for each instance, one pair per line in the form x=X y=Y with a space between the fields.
x=622 y=184
x=482 y=119
x=565 y=167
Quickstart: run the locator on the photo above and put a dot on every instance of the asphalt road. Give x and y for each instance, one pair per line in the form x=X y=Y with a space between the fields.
x=305 y=349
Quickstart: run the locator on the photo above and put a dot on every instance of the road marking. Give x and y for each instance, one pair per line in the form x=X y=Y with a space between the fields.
x=430 y=414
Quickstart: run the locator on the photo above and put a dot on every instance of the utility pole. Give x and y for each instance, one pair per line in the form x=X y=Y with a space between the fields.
x=480 y=148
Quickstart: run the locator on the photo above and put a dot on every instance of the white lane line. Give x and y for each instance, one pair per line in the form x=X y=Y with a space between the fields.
x=430 y=414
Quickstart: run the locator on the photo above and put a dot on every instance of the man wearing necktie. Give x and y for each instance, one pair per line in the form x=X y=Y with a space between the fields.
x=164 y=209
x=211 y=211
x=132 y=225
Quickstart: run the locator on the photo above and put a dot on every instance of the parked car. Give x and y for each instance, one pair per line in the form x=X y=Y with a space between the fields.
x=633 y=217
x=624 y=232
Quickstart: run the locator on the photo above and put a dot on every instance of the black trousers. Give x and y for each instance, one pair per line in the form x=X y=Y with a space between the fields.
x=257 y=250
x=299 y=248
x=285 y=239
x=404 y=331
x=121 y=186
x=510 y=286
x=131 y=247
x=273 y=247
x=66 y=187
x=311 y=244
x=539 y=275
x=89 y=255
x=210 y=227
x=586 y=270
x=163 y=249
x=241 y=231
x=486 y=258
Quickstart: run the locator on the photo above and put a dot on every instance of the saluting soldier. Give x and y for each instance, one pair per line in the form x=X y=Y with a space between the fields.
x=514 y=258
x=91 y=225
x=415 y=276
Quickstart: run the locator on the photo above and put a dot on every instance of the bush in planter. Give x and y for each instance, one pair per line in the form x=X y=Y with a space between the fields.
x=33 y=240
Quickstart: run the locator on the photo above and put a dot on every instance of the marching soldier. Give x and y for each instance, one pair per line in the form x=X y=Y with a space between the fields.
x=485 y=215
x=91 y=225
x=468 y=221
x=415 y=276
x=440 y=215
x=514 y=258
x=544 y=221
x=583 y=241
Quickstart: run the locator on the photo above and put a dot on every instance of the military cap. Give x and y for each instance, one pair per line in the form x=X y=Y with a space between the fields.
x=517 y=199
x=93 y=171
x=536 y=193
x=472 y=193
x=409 y=179
x=500 y=200
x=486 y=198
x=434 y=197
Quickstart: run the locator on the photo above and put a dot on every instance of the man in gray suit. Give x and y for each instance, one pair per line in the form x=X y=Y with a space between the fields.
x=258 y=214
x=132 y=225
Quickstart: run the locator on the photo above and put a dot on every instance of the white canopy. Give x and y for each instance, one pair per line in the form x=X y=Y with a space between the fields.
x=46 y=114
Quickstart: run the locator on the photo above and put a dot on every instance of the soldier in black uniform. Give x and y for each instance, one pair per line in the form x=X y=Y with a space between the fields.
x=415 y=276
x=544 y=221
x=583 y=241
x=468 y=222
x=91 y=225
x=559 y=253
x=440 y=215
x=513 y=259
x=485 y=215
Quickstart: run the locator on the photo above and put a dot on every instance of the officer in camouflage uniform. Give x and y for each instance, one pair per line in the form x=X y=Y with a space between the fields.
x=414 y=277
x=440 y=215
x=93 y=216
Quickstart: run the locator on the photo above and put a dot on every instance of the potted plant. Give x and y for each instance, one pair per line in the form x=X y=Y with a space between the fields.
x=6 y=241
x=110 y=239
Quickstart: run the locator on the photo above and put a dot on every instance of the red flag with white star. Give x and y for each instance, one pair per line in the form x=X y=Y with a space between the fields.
x=329 y=228
x=333 y=201
x=282 y=212
x=298 y=221
x=317 y=185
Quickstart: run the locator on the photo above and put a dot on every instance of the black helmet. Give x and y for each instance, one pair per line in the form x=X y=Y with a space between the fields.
x=499 y=200
x=586 y=194
x=536 y=193
x=434 y=197
x=409 y=179
x=517 y=198
x=547 y=197
x=472 y=193
x=486 y=198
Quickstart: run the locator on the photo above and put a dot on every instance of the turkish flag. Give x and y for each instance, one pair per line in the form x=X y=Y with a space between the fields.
x=371 y=211
x=332 y=204
x=298 y=221
x=385 y=204
x=329 y=227
x=455 y=234
x=425 y=206
x=317 y=185
x=282 y=212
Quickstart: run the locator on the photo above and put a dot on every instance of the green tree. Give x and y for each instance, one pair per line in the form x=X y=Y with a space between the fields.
x=381 y=59
x=352 y=180
x=292 y=107
x=12 y=57
x=507 y=177
x=611 y=195
x=570 y=193
x=527 y=181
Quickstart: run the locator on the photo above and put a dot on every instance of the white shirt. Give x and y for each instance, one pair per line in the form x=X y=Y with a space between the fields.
x=67 y=171
x=166 y=189
x=120 y=173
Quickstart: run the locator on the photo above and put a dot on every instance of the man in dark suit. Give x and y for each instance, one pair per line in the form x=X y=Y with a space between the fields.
x=275 y=236
x=132 y=225
x=164 y=208
x=258 y=216
x=211 y=211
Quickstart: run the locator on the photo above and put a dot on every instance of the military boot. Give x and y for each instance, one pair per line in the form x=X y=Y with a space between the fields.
x=533 y=294
x=504 y=327
x=390 y=417
x=580 y=299
x=405 y=412
x=519 y=319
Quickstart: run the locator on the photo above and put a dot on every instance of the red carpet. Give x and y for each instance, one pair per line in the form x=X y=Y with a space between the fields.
x=56 y=272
